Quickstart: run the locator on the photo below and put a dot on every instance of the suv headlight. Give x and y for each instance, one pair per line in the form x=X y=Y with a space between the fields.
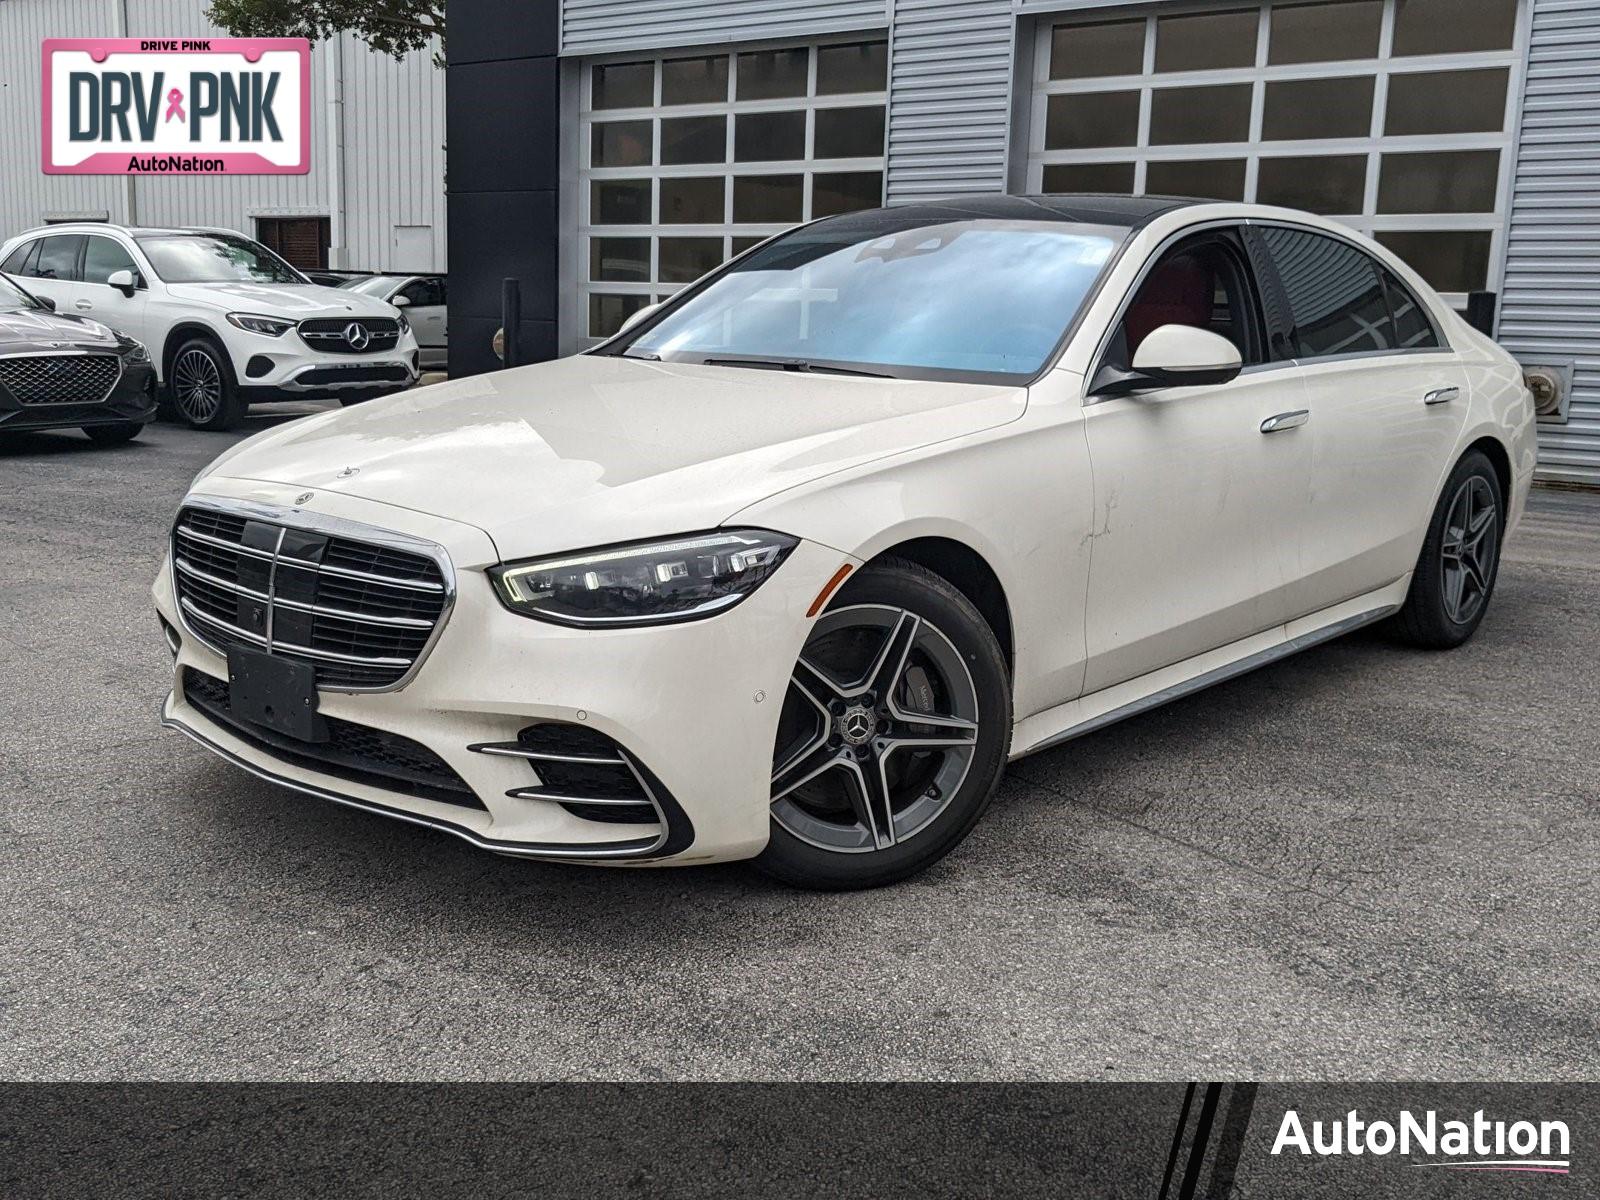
x=252 y=323
x=405 y=325
x=648 y=583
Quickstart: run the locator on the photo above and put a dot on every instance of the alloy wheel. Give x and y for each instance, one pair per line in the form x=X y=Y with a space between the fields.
x=1469 y=548
x=197 y=385
x=878 y=731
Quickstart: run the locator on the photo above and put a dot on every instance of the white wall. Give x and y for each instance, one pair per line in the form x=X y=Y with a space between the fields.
x=391 y=120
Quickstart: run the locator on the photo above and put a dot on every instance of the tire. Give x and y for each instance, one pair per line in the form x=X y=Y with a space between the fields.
x=202 y=386
x=911 y=646
x=114 y=435
x=1460 y=560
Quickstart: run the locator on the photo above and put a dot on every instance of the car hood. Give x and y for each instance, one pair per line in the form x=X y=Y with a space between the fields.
x=23 y=330
x=296 y=301
x=595 y=449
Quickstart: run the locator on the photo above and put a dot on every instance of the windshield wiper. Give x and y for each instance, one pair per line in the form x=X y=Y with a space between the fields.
x=802 y=365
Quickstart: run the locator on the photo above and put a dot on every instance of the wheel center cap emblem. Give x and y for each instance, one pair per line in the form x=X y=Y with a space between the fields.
x=856 y=724
x=356 y=334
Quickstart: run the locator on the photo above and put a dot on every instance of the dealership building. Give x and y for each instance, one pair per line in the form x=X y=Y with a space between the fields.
x=605 y=152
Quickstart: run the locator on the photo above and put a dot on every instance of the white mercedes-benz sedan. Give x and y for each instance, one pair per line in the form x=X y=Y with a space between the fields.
x=791 y=567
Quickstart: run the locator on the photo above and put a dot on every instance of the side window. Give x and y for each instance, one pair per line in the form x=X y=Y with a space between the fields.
x=58 y=257
x=1203 y=282
x=104 y=258
x=1413 y=328
x=17 y=264
x=418 y=293
x=1336 y=298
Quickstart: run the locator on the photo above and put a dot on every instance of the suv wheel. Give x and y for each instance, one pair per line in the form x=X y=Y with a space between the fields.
x=893 y=734
x=203 y=389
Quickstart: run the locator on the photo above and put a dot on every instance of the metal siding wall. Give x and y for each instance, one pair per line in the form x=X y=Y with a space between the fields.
x=602 y=26
x=1550 y=309
x=26 y=193
x=393 y=140
x=950 y=67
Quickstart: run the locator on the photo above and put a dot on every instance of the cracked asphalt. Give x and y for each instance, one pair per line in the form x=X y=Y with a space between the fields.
x=1365 y=862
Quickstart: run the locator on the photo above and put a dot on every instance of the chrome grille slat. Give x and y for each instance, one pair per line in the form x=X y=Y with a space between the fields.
x=298 y=606
x=291 y=583
x=39 y=380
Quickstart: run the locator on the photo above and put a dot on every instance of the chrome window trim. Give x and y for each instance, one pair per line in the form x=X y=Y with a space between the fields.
x=287 y=516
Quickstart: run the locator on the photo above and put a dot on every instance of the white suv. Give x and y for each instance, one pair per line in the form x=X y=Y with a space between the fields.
x=228 y=323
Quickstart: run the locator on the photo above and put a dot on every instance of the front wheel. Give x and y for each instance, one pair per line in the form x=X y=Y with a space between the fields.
x=893 y=734
x=1460 y=559
x=115 y=434
x=203 y=389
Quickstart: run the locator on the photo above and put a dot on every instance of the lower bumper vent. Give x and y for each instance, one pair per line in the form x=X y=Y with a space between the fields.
x=356 y=753
x=585 y=772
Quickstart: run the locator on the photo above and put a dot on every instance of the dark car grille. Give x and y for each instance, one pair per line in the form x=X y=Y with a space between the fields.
x=338 y=335
x=583 y=771
x=357 y=753
x=361 y=613
x=37 y=379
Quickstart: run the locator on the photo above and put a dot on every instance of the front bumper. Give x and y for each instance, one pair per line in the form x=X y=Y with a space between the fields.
x=287 y=368
x=695 y=705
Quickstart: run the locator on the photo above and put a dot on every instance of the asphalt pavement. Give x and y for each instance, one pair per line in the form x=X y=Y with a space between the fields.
x=1365 y=862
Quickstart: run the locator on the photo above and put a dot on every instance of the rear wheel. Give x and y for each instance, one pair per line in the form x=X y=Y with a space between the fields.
x=893 y=734
x=1460 y=560
x=202 y=387
x=112 y=435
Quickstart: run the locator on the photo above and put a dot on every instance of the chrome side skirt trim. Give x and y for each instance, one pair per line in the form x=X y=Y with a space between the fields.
x=1220 y=674
x=636 y=848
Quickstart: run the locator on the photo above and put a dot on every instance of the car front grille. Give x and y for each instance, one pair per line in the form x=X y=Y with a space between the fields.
x=353 y=752
x=350 y=335
x=40 y=379
x=361 y=613
x=585 y=772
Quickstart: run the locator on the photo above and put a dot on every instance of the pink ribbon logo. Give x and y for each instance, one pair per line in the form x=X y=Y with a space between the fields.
x=175 y=105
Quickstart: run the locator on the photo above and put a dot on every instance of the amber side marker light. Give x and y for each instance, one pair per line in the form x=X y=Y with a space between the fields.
x=828 y=590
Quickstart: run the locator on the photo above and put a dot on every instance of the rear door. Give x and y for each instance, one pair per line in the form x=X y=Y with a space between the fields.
x=1387 y=401
x=1197 y=509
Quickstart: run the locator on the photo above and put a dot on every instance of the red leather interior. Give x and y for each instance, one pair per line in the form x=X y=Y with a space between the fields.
x=1178 y=292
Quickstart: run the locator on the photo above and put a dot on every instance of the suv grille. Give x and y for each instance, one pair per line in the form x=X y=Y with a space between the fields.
x=354 y=752
x=60 y=378
x=362 y=614
x=350 y=335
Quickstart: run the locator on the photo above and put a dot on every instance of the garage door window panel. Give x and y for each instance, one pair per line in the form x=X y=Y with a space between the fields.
x=1379 y=113
x=689 y=158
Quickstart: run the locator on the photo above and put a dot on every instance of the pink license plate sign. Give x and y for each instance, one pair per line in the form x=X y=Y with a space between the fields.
x=170 y=106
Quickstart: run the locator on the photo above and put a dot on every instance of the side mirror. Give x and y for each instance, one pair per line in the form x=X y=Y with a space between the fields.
x=46 y=301
x=401 y=302
x=122 y=280
x=635 y=318
x=1173 y=356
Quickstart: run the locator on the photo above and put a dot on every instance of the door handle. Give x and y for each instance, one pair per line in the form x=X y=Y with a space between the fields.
x=1286 y=420
x=82 y=305
x=1441 y=395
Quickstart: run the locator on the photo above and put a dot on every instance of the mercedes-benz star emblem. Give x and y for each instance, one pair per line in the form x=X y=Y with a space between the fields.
x=357 y=335
x=857 y=724
x=347 y=472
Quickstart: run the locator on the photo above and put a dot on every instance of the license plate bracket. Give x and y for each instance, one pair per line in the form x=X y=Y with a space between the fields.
x=276 y=693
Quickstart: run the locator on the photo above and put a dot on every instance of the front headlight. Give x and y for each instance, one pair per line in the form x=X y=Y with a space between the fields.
x=649 y=583
x=400 y=316
x=253 y=323
x=133 y=350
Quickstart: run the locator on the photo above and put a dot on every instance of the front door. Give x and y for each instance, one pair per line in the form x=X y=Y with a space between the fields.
x=103 y=257
x=1197 y=509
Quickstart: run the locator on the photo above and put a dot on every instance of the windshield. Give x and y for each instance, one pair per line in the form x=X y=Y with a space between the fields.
x=214 y=258
x=895 y=294
x=13 y=298
x=372 y=285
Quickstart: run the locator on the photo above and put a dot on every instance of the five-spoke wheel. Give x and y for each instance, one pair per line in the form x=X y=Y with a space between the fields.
x=892 y=735
x=1456 y=570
